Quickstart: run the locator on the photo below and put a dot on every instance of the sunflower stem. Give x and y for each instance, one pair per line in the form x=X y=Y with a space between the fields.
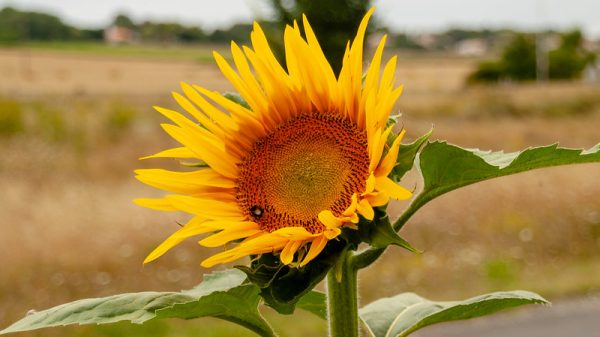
x=342 y=298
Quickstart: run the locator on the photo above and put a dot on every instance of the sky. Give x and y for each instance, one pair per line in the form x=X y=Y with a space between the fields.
x=400 y=15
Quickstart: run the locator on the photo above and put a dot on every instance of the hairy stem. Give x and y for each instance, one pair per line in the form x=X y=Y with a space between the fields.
x=342 y=298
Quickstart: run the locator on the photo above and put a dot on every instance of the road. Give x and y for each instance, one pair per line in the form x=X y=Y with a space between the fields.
x=570 y=318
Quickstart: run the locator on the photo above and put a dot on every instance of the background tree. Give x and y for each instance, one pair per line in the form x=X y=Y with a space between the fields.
x=518 y=60
x=570 y=59
x=17 y=26
x=122 y=20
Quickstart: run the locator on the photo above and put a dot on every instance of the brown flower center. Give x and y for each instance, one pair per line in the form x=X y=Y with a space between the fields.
x=309 y=164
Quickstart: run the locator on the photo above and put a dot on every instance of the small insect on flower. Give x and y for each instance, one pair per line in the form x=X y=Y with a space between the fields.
x=256 y=212
x=285 y=175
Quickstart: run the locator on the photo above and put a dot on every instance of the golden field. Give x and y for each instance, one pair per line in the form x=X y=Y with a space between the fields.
x=72 y=126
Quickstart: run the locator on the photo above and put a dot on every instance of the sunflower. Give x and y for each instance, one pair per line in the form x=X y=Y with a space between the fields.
x=284 y=173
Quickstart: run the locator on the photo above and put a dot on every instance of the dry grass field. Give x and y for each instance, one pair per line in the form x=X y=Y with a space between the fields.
x=73 y=125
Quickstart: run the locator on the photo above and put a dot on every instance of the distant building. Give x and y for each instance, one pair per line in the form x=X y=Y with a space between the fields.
x=373 y=40
x=427 y=40
x=119 y=35
x=471 y=47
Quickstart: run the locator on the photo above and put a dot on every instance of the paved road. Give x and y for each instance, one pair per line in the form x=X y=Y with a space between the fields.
x=572 y=318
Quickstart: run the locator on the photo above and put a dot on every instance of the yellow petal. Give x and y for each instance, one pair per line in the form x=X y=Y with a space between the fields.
x=331 y=233
x=374 y=68
x=212 y=209
x=287 y=254
x=329 y=220
x=178 y=152
x=365 y=209
x=296 y=233
x=256 y=101
x=387 y=79
x=224 y=257
x=352 y=208
x=208 y=109
x=192 y=228
x=392 y=189
x=229 y=234
x=316 y=247
x=370 y=184
x=379 y=142
x=189 y=126
x=216 y=158
x=377 y=199
x=161 y=204
x=184 y=182
x=388 y=163
x=202 y=118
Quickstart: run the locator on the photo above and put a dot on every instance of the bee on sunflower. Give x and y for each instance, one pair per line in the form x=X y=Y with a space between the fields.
x=286 y=172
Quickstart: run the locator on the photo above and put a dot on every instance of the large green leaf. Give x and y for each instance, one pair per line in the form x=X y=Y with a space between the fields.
x=223 y=295
x=403 y=314
x=446 y=167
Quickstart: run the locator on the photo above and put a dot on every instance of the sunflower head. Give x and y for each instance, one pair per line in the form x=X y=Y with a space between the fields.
x=283 y=174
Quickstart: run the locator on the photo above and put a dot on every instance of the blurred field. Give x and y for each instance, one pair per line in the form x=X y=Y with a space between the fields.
x=72 y=126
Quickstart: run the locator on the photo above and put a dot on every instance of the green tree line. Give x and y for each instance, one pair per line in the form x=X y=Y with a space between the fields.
x=519 y=60
x=18 y=26
x=21 y=26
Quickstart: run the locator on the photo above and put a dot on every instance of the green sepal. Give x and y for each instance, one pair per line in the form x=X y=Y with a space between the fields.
x=237 y=98
x=283 y=286
x=406 y=156
x=383 y=235
x=378 y=233
x=393 y=120
x=193 y=164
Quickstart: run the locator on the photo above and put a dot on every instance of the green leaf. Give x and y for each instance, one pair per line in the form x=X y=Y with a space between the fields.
x=222 y=295
x=283 y=286
x=446 y=167
x=403 y=314
x=314 y=302
x=234 y=96
x=406 y=156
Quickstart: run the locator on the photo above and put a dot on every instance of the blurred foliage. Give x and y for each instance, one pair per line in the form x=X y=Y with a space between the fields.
x=500 y=271
x=335 y=22
x=570 y=59
x=518 y=60
x=119 y=119
x=11 y=117
x=173 y=32
x=123 y=20
x=404 y=41
x=18 y=26
x=51 y=123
